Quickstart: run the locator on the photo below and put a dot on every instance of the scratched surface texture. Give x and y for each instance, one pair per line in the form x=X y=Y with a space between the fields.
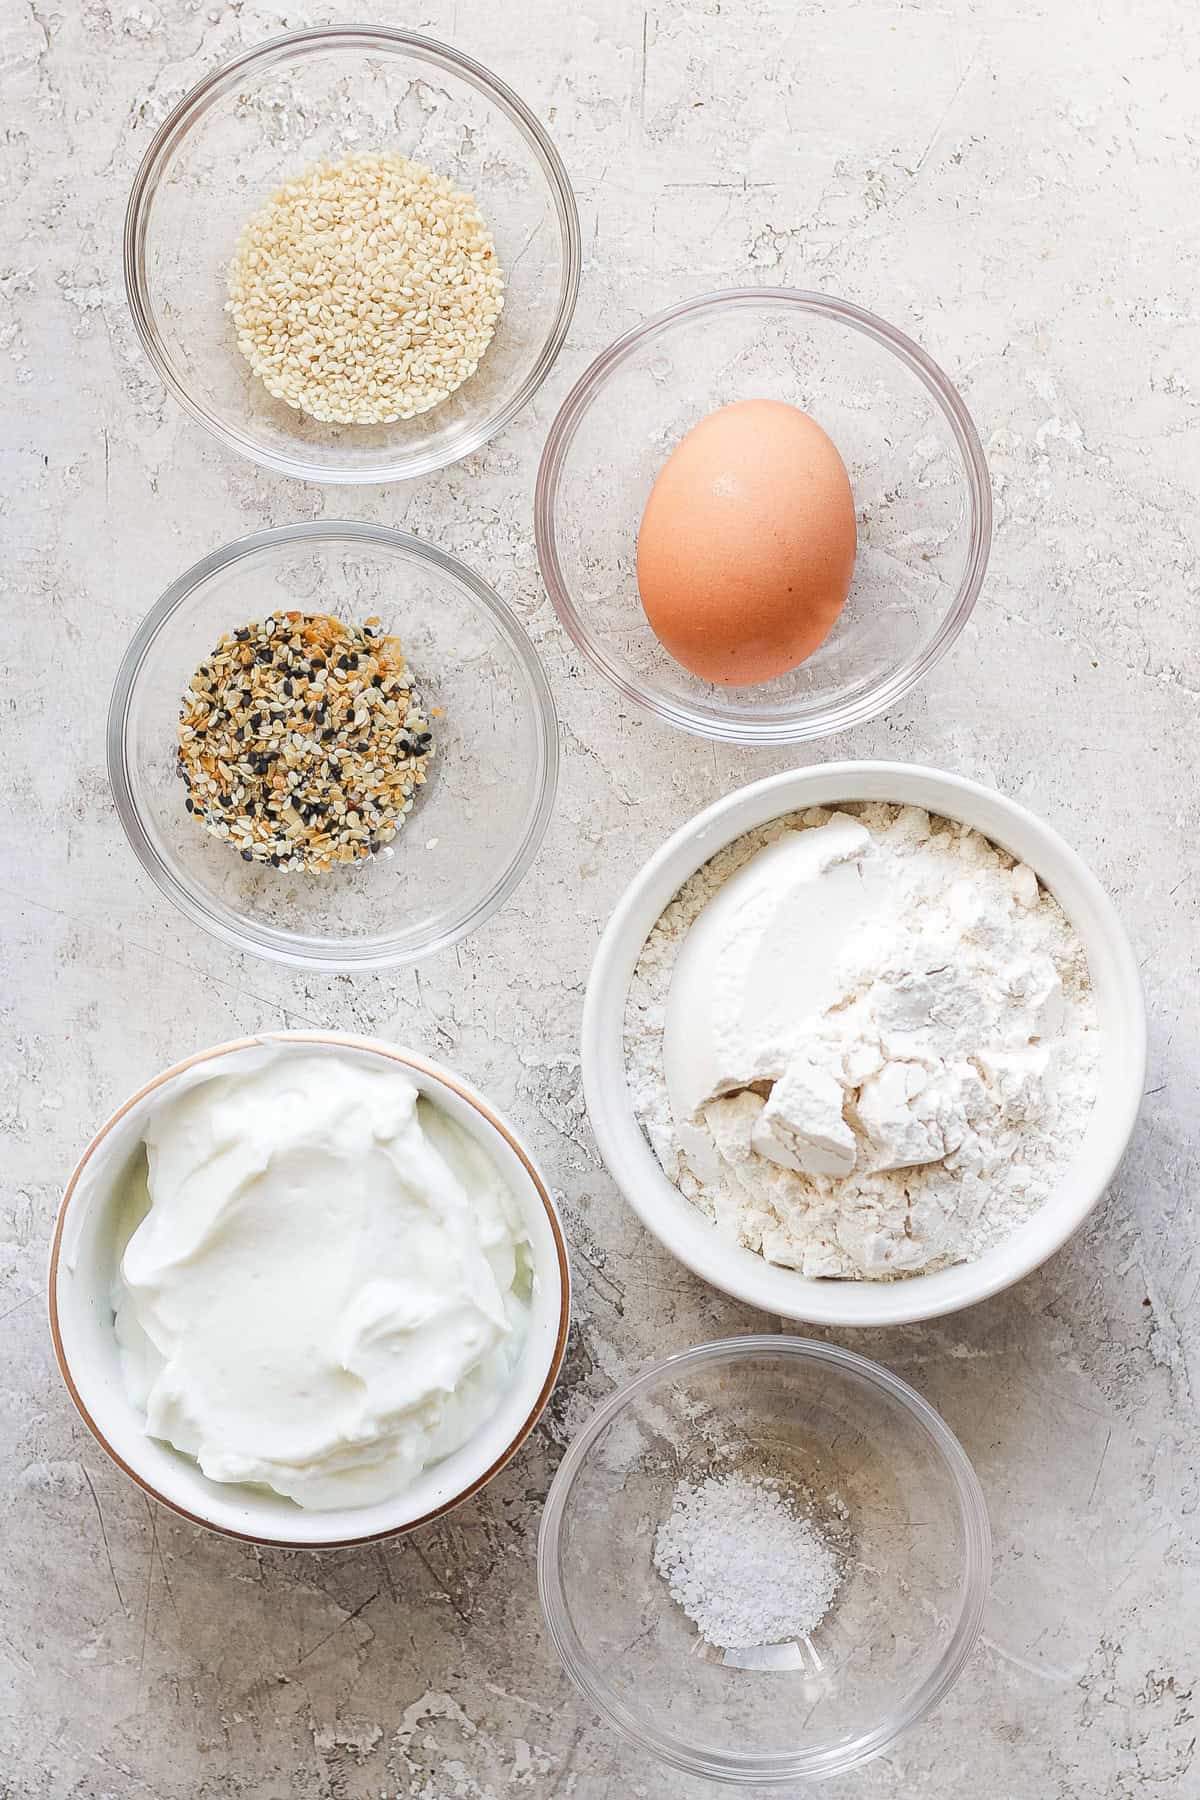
x=1015 y=184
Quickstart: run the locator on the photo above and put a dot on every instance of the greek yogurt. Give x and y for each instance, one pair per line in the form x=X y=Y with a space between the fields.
x=325 y=1284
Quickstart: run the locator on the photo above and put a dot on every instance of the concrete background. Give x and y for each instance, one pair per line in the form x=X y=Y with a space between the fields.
x=1012 y=181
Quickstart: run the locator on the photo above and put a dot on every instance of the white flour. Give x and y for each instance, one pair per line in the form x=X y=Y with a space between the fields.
x=745 y=1568
x=948 y=1084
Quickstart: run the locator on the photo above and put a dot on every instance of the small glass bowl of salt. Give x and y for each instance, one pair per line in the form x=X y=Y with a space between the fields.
x=764 y=1560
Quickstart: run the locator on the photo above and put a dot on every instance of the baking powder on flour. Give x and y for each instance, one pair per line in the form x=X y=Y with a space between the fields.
x=876 y=1053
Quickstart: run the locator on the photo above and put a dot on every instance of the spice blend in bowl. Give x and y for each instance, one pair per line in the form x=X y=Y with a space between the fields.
x=366 y=290
x=302 y=741
x=474 y=828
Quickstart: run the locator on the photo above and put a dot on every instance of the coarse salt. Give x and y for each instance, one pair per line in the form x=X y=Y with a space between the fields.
x=745 y=1567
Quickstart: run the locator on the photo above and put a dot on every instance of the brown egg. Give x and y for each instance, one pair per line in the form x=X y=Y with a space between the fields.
x=747 y=543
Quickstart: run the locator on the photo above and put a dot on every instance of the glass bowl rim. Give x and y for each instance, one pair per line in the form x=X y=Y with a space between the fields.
x=286 y=47
x=905 y=676
x=772 y=1766
x=286 y=948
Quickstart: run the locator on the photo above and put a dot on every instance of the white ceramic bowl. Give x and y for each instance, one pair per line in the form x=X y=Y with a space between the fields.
x=682 y=1228
x=83 y=1263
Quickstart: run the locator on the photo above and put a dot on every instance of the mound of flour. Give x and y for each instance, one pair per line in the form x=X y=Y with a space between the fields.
x=961 y=1047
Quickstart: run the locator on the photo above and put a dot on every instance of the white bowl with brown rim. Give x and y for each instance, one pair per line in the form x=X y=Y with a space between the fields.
x=83 y=1263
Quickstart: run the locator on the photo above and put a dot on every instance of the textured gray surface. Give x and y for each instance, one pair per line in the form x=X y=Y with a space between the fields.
x=1013 y=183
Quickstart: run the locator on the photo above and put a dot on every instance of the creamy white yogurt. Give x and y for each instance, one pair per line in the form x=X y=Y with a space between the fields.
x=325 y=1285
x=762 y=955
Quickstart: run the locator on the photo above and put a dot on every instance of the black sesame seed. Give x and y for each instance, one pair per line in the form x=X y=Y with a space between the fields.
x=247 y=856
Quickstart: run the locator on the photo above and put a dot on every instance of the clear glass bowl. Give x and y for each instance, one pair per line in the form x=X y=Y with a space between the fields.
x=477 y=822
x=266 y=116
x=852 y=1447
x=920 y=484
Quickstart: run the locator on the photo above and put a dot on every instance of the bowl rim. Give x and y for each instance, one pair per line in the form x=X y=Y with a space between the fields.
x=270 y=943
x=432 y=1071
x=286 y=47
x=775 y=1766
x=693 y=1240
x=893 y=687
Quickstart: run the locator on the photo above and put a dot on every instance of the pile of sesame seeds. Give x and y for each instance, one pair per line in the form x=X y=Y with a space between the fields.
x=302 y=741
x=366 y=290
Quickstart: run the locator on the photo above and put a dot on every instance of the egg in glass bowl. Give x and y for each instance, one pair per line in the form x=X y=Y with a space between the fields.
x=916 y=468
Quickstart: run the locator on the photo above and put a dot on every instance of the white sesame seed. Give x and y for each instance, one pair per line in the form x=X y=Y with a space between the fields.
x=366 y=290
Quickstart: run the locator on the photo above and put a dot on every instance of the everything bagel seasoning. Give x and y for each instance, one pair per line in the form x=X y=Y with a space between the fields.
x=302 y=741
